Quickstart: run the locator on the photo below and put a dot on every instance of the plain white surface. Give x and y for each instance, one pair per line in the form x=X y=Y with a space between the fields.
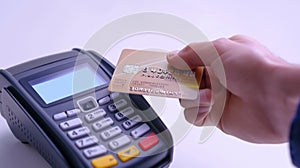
x=33 y=29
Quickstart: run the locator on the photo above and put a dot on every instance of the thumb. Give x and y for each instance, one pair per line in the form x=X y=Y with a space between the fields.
x=193 y=55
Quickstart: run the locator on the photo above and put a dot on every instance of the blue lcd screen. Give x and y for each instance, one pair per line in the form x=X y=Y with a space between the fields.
x=66 y=83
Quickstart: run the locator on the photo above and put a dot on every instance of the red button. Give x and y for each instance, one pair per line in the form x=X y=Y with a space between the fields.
x=150 y=141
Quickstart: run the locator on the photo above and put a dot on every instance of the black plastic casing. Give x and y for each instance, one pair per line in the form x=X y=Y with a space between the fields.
x=31 y=120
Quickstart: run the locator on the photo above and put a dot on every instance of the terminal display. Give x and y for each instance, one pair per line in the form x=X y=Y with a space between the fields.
x=63 y=83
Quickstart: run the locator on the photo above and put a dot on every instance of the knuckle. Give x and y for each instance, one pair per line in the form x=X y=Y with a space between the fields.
x=188 y=47
x=184 y=103
x=238 y=36
x=192 y=116
x=221 y=41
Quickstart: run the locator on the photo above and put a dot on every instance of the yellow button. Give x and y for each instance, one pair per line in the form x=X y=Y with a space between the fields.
x=128 y=153
x=104 y=162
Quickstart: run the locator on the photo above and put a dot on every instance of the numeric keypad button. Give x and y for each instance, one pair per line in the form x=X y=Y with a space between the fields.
x=60 y=116
x=119 y=142
x=73 y=112
x=70 y=124
x=111 y=132
x=114 y=95
x=78 y=133
x=99 y=125
x=85 y=142
x=94 y=151
x=132 y=122
x=87 y=104
x=104 y=100
x=139 y=131
x=117 y=105
x=125 y=113
x=95 y=115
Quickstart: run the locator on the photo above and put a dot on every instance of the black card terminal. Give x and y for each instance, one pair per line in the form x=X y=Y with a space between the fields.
x=60 y=105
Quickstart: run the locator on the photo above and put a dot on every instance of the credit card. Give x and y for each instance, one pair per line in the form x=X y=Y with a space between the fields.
x=148 y=73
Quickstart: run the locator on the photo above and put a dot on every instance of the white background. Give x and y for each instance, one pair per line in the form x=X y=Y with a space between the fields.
x=33 y=29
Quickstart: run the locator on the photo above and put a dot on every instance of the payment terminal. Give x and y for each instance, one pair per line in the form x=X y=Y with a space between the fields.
x=61 y=106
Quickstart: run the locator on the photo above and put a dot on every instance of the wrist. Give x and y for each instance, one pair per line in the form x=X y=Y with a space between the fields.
x=284 y=86
x=288 y=79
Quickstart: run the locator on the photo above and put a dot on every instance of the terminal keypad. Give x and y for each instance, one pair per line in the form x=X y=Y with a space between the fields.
x=113 y=126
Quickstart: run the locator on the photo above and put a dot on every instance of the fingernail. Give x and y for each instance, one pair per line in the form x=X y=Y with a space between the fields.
x=205 y=97
x=176 y=61
x=204 y=109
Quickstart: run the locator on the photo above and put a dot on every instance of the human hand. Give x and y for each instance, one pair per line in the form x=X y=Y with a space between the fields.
x=257 y=109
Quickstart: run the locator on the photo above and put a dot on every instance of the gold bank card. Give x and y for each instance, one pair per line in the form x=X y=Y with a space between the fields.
x=148 y=73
